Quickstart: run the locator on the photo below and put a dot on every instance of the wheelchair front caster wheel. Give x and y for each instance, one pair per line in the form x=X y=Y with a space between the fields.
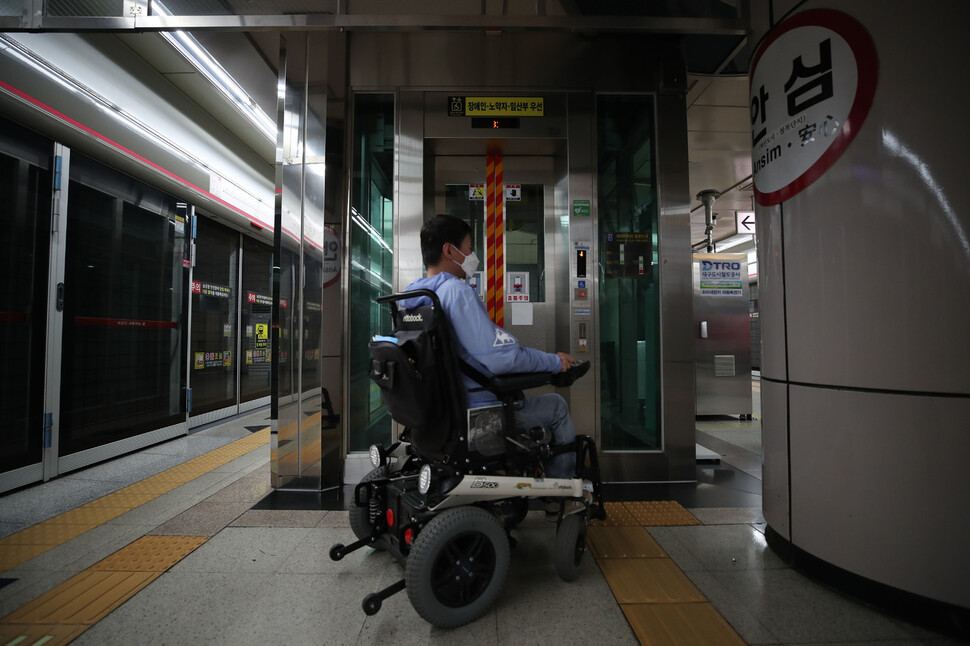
x=336 y=552
x=372 y=604
x=570 y=546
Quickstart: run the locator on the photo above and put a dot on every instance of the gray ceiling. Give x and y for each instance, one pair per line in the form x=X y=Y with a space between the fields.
x=717 y=114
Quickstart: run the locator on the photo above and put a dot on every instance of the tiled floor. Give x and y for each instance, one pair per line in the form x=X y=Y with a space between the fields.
x=263 y=575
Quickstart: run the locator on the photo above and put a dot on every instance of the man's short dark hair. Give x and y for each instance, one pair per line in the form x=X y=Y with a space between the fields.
x=436 y=232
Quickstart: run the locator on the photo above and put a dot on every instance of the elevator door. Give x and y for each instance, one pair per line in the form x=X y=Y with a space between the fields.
x=524 y=250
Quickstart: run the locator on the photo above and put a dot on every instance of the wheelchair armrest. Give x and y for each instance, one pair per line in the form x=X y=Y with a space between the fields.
x=516 y=381
x=524 y=380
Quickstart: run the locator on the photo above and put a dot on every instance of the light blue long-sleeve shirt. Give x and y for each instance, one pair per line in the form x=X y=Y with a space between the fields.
x=482 y=344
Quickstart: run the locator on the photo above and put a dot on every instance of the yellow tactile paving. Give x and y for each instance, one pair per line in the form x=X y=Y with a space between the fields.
x=60 y=615
x=649 y=581
x=33 y=541
x=49 y=534
x=151 y=486
x=680 y=623
x=151 y=554
x=12 y=555
x=122 y=500
x=179 y=474
x=660 y=513
x=662 y=605
x=622 y=543
x=40 y=635
x=82 y=599
x=87 y=516
x=616 y=516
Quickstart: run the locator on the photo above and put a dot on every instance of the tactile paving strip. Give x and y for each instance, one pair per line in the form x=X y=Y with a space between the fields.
x=680 y=623
x=39 y=635
x=12 y=555
x=617 y=515
x=82 y=599
x=660 y=513
x=46 y=533
x=34 y=541
x=649 y=581
x=93 y=516
x=151 y=554
x=122 y=500
x=150 y=486
x=622 y=543
x=64 y=612
x=662 y=605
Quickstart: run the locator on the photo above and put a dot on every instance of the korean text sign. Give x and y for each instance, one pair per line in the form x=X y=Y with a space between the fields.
x=813 y=80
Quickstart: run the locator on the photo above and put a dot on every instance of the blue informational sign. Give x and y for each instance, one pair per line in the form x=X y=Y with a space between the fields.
x=721 y=278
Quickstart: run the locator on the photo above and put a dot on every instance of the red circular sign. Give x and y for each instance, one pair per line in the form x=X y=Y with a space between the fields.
x=331 y=256
x=812 y=83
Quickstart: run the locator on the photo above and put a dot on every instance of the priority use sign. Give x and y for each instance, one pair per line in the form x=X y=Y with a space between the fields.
x=812 y=83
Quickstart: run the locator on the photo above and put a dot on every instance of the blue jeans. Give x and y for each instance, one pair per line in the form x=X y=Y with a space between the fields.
x=551 y=412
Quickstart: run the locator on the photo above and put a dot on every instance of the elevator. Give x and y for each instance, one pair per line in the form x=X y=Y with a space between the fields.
x=567 y=155
x=564 y=196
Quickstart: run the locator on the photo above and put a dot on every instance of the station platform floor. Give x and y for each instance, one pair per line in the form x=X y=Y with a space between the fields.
x=185 y=542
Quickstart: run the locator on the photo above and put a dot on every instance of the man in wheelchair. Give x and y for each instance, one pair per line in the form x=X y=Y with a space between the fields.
x=473 y=451
x=446 y=248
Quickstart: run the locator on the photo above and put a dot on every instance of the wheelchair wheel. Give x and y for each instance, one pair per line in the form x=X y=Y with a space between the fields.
x=360 y=516
x=570 y=546
x=457 y=566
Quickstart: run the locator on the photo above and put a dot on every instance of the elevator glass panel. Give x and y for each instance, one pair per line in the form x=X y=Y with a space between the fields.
x=25 y=183
x=629 y=286
x=122 y=362
x=257 y=312
x=214 y=298
x=524 y=245
x=467 y=203
x=371 y=261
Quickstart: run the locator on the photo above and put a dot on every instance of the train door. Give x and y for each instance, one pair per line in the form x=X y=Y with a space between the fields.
x=25 y=159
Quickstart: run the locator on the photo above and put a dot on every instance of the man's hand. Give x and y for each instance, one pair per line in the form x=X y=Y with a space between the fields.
x=567 y=361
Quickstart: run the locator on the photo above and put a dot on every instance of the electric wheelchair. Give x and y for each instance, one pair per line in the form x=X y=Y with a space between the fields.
x=444 y=498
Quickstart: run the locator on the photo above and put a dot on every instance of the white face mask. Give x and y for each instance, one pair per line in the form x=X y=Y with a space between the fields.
x=469 y=265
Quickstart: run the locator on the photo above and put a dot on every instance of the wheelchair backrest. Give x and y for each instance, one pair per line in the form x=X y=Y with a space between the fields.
x=418 y=373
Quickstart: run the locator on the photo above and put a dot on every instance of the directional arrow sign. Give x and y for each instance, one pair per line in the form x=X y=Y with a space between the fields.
x=745 y=220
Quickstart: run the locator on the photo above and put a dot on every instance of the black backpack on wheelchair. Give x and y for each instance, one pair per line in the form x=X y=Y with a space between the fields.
x=444 y=498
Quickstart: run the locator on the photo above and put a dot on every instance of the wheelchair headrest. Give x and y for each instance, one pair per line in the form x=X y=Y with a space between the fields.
x=422 y=317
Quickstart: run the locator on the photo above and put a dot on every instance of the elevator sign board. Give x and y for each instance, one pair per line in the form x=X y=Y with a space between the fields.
x=496 y=106
x=721 y=278
x=812 y=83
